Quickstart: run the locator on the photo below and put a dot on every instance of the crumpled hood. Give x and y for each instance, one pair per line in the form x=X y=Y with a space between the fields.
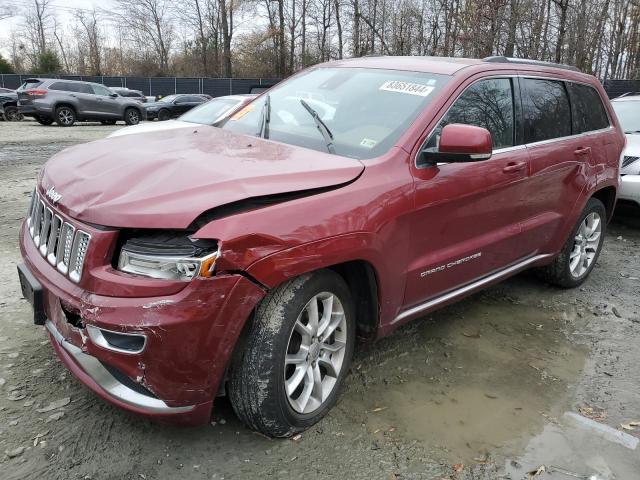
x=632 y=150
x=166 y=179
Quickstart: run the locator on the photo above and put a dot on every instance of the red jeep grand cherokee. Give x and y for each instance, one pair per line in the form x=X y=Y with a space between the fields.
x=346 y=201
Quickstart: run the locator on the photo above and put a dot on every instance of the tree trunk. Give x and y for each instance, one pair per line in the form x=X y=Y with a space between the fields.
x=339 y=27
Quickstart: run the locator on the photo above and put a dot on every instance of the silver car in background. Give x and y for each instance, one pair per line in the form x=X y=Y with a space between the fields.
x=628 y=112
x=210 y=113
x=51 y=100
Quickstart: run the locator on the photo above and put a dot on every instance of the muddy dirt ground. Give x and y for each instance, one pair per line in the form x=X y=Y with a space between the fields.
x=496 y=386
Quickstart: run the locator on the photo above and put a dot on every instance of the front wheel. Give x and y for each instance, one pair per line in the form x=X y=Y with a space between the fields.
x=164 y=115
x=580 y=253
x=131 y=116
x=296 y=355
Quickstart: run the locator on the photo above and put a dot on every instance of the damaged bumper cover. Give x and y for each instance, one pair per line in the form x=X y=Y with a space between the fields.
x=101 y=377
x=189 y=336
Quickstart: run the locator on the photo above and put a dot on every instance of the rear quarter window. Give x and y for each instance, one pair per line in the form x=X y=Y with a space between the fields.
x=587 y=109
x=547 y=113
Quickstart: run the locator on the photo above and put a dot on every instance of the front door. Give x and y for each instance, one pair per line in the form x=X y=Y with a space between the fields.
x=108 y=106
x=467 y=215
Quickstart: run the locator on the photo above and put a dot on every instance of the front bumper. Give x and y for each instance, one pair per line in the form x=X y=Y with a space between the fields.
x=96 y=376
x=190 y=336
x=630 y=188
x=151 y=114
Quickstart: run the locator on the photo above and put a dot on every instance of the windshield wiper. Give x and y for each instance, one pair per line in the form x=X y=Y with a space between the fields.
x=322 y=127
x=265 y=118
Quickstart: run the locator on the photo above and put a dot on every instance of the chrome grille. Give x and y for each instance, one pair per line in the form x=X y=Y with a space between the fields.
x=58 y=241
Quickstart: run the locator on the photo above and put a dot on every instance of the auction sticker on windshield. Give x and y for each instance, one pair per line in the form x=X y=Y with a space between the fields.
x=407 y=87
x=241 y=113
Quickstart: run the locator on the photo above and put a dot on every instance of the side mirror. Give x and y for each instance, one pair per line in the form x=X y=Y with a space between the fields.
x=114 y=95
x=460 y=143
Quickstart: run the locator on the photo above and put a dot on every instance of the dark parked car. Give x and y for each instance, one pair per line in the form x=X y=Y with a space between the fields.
x=134 y=94
x=348 y=200
x=9 y=105
x=67 y=101
x=173 y=106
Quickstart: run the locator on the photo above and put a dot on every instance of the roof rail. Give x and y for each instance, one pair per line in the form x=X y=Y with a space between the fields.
x=524 y=61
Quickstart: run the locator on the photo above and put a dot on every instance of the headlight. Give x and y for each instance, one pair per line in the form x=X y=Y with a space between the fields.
x=168 y=256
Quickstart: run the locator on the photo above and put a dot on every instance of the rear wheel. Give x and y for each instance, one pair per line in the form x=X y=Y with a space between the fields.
x=12 y=114
x=65 y=116
x=163 y=115
x=44 y=120
x=581 y=251
x=131 y=116
x=296 y=356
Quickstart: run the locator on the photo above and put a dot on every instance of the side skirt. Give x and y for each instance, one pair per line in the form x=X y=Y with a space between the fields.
x=462 y=291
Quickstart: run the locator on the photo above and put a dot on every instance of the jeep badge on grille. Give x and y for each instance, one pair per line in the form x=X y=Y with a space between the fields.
x=53 y=195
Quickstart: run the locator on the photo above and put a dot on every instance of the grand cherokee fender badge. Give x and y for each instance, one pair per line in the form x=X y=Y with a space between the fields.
x=451 y=264
x=53 y=195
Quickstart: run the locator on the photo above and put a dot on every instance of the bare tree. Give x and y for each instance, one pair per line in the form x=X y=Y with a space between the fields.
x=148 y=21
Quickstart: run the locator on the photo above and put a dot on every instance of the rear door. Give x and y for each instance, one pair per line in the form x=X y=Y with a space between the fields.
x=559 y=156
x=466 y=222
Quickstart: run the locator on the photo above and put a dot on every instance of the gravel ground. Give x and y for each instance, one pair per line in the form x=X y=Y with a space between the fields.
x=488 y=388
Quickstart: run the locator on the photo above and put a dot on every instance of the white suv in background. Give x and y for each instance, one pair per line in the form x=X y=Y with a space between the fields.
x=628 y=111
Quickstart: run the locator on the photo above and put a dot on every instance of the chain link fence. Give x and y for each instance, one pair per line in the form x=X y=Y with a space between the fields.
x=217 y=87
x=153 y=86
x=615 y=88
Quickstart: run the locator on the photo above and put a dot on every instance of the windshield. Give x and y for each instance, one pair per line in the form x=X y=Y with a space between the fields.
x=628 y=113
x=361 y=113
x=209 y=112
x=168 y=98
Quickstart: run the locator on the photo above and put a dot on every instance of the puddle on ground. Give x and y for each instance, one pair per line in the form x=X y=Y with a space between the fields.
x=474 y=379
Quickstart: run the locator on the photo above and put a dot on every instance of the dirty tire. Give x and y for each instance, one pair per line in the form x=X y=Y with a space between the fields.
x=257 y=375
x=558 y=272
x=164 y=115
x=12 y=114
x=44 y=120
x=65 y=116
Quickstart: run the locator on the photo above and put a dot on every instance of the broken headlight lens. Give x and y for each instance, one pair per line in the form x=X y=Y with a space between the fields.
x=168 y=257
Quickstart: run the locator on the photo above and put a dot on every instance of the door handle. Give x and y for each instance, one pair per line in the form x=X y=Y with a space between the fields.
x=514 y=167
x=582 y=151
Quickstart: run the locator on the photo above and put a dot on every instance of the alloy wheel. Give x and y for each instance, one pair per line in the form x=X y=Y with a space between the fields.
x=66 y=116
x=133 y=116
x=315 y=353
x=585 y=245
x=13 y=115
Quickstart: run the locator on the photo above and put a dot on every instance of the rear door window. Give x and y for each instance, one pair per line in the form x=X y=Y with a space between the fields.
x=587 y=109
x=487 y=104
x=547 y=114
x=63 y=87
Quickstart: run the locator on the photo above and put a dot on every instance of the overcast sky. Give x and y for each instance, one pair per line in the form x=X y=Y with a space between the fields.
x=61 y=8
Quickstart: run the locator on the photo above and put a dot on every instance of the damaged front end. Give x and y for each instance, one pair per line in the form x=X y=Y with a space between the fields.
x=148 y=324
